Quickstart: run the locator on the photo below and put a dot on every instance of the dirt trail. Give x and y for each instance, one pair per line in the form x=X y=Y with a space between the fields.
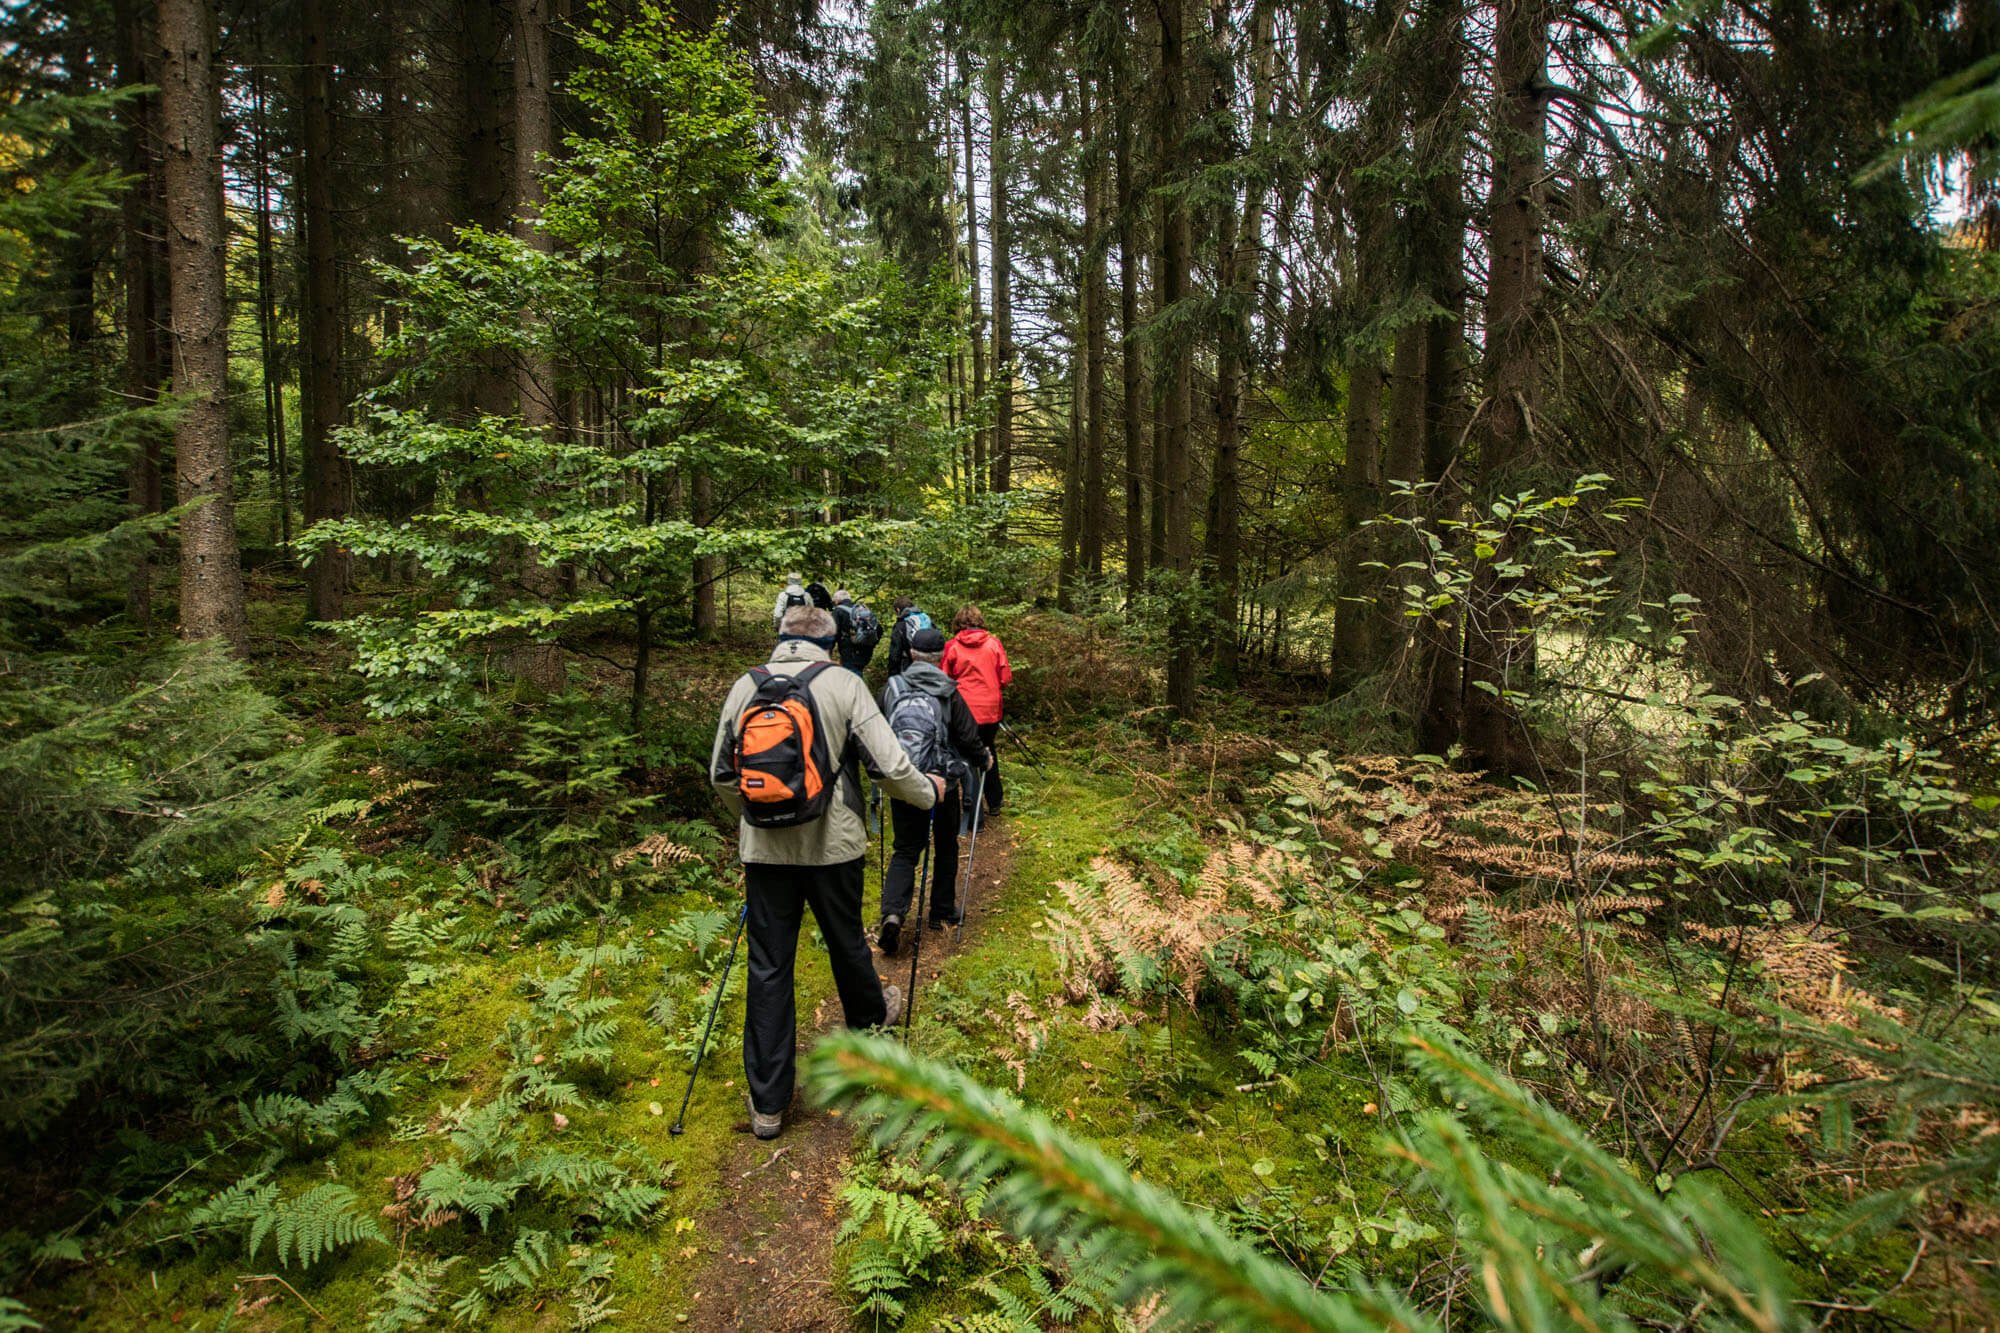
x=771 y=1242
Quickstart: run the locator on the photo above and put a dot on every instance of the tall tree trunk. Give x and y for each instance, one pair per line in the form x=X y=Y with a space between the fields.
x=1003 y=275
x=706 y=567
x=329 y=485
x=486 y=186
x=1439 y=257
x=1072 y=473
x=1356 y=618
x=977 y=472
x=1091 y=537
x=140 y=227
x=211 y=564
x=1499 y=645
x=1177 y=400
x=534 y=140
x=1133 y=360
x=278 y=455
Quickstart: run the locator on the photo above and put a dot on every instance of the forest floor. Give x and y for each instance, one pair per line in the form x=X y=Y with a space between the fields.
x=767 y=1236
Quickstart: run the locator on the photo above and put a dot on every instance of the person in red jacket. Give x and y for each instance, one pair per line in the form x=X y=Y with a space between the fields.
x=977 y=661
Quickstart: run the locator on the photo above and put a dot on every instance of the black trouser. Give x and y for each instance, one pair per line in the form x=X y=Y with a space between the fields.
x=911 y=827
x=779 y=896
x=855 y=659
x=989 y=735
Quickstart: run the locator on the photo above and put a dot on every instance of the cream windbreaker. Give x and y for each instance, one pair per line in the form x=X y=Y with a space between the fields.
x=846 y=711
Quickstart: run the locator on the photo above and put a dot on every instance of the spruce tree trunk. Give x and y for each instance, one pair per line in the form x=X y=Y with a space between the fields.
x=139 y=221
x=329 y=486
x=1499 y=648
x=485 y=188
x=267 y=327
x=211 y=564
x=1439 y=256
x=1003 y=297
x=977 y=472
x=1133 y=361
x=1094 y=301
x=534 y=140
x=1178 y=399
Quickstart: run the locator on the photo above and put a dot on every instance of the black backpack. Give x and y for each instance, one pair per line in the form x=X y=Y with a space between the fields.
x=864 y=630
x=923 y=726
x=793 y=599
x=777 y=757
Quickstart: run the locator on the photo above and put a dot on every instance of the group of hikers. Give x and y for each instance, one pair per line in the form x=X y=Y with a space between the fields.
x=792 y=740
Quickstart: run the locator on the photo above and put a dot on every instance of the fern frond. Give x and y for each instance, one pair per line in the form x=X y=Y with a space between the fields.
x=1057 y=1188
x=315 y=1223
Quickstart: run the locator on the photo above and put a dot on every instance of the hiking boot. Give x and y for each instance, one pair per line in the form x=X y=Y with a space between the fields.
x=940 y=922
x=892 y=996
x=766 y=1126
x=889 y=935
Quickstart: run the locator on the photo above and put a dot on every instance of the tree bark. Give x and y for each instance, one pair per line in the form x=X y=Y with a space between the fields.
x=534 y=140
x=1499 y=651
x=140 y=228
x=486 y=185
x=1133 y=358
x=1091 y=538
x=1003 y=312
x=211 y=564
x=977 y=471
x=1178 y=365
x=278 y=456
x=329 y=485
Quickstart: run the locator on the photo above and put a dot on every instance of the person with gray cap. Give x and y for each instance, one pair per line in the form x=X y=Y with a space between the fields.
x=785 y=762
x=936 y=730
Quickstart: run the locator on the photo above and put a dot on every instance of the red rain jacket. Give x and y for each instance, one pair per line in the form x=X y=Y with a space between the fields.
x=975 y=659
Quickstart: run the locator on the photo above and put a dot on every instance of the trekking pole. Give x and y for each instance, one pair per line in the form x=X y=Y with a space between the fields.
x=917 y=924
x=721 y=988
x=972 y=854
x=1026 y=753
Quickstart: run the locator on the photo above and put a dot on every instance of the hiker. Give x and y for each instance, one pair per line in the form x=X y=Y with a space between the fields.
x=820 y=597
x=859 y=630
x=908 y=621
x=785 y=763
x=977 y=661
x=937 y=730
x=791 y=595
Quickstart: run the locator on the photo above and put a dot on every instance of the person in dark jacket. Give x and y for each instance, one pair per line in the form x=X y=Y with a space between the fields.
x=908 y=621
x=858 y=629
x=967 y=757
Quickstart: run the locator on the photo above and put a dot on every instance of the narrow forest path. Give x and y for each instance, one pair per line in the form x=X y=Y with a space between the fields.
x=771 y=1240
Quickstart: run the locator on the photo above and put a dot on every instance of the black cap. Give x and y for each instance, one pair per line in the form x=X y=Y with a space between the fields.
x=927 y=641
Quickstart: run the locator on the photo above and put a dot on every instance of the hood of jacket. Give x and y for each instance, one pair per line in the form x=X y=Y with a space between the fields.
x=973 y=638
x=929 y=679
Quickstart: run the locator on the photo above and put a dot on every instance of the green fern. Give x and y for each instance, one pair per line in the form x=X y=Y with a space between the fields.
x=532 y=1257
x=874 y=1278
x=16 y=1317
x=631 y=1203
x=449 y=1187
x=411 y=1292
x=311 y=1225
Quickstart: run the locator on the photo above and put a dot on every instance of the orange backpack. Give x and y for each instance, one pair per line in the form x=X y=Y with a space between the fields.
x=779 y=760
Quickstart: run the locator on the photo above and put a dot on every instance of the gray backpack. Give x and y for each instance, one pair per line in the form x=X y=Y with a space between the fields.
x=923 y=726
